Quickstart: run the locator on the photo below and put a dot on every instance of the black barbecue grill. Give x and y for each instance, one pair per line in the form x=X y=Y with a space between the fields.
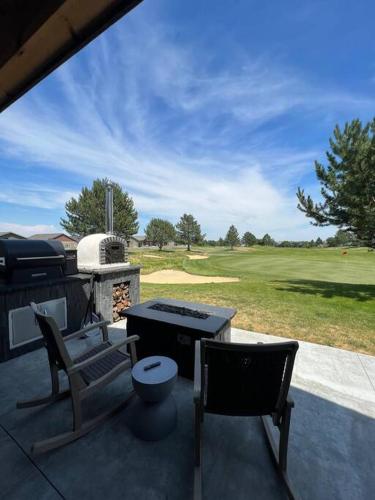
x=25 y=261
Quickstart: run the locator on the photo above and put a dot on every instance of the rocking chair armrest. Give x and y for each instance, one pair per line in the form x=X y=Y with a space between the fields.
x=86 y=329
x=114 y=347
x=197 y=372
x=290 y=401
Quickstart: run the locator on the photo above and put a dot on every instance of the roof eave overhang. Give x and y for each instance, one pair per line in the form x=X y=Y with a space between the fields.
x=66 y=31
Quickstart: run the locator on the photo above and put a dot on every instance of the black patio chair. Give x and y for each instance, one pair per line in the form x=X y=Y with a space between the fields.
x=91 y=370
x=245 y=380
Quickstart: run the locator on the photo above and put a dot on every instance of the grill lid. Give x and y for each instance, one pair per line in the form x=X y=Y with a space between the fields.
x=20 y=254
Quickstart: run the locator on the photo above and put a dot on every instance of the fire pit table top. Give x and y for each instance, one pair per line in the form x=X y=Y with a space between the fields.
x=192 y=315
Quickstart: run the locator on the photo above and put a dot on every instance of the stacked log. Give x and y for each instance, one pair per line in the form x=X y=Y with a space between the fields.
x=120 y=299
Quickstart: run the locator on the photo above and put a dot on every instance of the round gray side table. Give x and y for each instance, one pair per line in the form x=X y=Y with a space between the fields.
x=153 y=414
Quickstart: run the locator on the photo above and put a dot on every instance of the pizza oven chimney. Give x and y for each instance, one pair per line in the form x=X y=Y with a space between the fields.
x=109 y=208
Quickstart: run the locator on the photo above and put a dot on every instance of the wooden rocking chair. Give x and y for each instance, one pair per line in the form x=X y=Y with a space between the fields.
x=90 y=371
x=245 y=379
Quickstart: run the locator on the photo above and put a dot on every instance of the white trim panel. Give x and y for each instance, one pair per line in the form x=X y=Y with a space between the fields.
x=22 y=324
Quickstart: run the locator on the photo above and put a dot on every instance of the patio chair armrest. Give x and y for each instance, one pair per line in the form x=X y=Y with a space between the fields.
x=197 y=372
x=86 y=329
x=114 y=347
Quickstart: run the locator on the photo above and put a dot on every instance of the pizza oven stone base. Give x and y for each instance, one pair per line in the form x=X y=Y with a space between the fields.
x=106 y=278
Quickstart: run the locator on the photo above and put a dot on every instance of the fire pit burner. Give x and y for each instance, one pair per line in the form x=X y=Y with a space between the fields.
x=173 y=335
x=182 y=311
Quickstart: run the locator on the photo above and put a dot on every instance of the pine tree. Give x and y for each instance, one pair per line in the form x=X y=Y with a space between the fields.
x=86 y=214
x=160 y=232
x=232 y=238
x=267 y=240
x=248 y=239
x=347 y=183
x=189 y=231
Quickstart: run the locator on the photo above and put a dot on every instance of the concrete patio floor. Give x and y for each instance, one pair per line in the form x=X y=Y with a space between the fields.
x=331 y=453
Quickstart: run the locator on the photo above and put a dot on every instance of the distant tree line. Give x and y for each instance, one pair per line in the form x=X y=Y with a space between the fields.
x=86 y=213
x=232 y=239
x=188 y=232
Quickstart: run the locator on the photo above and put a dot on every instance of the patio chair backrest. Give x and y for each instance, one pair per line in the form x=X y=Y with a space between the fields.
x=53 y=340
x=246 y=379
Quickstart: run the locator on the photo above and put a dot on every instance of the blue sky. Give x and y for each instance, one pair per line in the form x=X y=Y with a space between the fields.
x=194 y=108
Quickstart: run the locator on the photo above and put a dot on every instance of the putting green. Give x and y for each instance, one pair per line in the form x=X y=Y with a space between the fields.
x=318 y=295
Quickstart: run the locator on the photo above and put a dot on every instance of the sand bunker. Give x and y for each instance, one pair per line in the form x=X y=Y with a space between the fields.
x=172 y=277
x=152 y=256
x=197 y=257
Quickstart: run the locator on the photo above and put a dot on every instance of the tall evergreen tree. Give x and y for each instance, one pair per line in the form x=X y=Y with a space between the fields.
x=267 y=241
x=232 y=238
x=189 y=231
x=86 y=214
x=160 y=232
x=347 y=183
x=248 y=239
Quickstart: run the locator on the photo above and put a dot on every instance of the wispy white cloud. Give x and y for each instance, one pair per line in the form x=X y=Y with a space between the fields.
x=32 y=195
x=177 y=132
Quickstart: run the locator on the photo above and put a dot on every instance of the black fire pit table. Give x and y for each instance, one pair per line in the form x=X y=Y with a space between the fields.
x=170 y=328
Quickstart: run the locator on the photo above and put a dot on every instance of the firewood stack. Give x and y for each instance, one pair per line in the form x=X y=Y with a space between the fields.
x=120 y=299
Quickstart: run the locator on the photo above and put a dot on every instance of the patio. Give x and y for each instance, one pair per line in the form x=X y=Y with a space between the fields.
x=331 y=451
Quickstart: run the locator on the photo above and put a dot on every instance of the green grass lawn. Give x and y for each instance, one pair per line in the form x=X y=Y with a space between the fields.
x=317 y=295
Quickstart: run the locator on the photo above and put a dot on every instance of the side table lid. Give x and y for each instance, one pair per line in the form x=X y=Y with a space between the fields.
x=162 y=373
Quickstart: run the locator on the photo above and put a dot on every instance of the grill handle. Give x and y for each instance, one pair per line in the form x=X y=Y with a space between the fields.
x=41 y=257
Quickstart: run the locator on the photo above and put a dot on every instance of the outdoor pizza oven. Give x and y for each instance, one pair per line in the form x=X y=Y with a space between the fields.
x=98 y=251
x=28 y=261
x=105 y=256
x=101 y=250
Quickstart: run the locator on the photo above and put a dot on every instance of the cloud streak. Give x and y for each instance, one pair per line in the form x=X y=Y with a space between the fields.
x=32 y=195
x=179 y=133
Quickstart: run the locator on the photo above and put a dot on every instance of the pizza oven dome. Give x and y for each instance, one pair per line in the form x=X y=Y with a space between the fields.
x=100 y=251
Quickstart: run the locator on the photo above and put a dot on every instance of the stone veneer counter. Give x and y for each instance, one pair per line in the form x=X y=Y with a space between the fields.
x=106 y=278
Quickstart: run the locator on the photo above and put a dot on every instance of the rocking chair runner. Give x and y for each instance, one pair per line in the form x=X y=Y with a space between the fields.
x=245 y=379
x=90 y=371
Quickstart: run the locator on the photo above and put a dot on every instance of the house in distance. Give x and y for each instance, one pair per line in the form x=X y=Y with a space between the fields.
x=11 y=236
x=139 y=241
x=69 y=242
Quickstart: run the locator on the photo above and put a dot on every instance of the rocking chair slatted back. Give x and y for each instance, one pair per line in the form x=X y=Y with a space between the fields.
x=58 y=354
x=245 y=379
